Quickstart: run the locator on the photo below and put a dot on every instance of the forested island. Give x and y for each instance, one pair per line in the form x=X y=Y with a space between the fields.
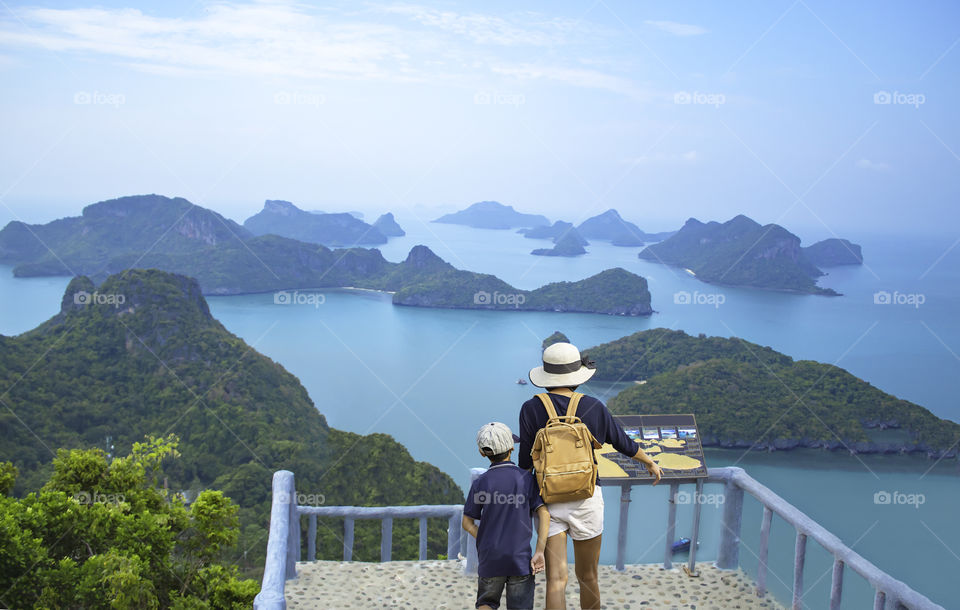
x=834 y=252
x=153 y=361
x=612 y=227
x=741 y=252
x=555 y=232
x=428 y=281
x=152 y=231
x=387 y=225
x=340 y=229
x=749 y=396
x=493 y=215
x=568 y=244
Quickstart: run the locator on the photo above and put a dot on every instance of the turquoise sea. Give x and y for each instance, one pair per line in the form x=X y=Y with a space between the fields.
x=431 y=377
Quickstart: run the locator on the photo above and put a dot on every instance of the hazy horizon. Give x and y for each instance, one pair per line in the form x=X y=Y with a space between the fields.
x=411 y=217
x=826 y=119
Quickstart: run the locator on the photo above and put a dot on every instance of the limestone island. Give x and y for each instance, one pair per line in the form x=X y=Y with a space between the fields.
x=741 y=252
x=493 y=215
x=749 y=396
x=151 y=231
x=287 y=220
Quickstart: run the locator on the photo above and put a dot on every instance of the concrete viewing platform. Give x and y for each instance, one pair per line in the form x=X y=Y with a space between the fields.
x=443 y=585
x=722 y=584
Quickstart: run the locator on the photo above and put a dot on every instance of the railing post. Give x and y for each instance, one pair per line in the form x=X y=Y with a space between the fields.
x=275 y=567
x=423 y=539
x=622 y=526
x=695 y=536
x=671 y=524
x=453 y=536
x=473 y=561
x=799 y=558
x=836 y=587
x=728 y=557
x=386 y=538
x=764 y=549
x=293 y=543
x=348 y=539
x=312 y=539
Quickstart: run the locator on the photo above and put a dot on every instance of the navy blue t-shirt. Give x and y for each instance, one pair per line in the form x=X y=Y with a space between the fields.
x=591 y=412
x=503 y=499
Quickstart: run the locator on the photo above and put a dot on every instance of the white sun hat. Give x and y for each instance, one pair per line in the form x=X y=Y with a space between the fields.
x=563 y=366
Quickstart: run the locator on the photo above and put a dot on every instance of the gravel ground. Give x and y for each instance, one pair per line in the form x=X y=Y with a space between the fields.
x=442 y=585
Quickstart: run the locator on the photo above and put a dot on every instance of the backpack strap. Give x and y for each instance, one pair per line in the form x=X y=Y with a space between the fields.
x=572 y=412
x=548 y=405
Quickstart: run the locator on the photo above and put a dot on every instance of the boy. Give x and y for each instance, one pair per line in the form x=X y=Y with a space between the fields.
x=504 y=498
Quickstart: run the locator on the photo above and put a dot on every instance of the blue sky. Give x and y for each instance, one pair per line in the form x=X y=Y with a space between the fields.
x=662 y=110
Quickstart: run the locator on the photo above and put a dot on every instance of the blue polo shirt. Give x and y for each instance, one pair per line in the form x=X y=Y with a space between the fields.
x=504 y=499
x=593 y=413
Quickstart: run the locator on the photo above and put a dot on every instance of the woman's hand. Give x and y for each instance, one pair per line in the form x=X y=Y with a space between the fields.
x=654 y=469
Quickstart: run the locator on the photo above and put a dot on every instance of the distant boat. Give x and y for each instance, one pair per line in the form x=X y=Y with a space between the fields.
x=521 y=381
x=681 y=545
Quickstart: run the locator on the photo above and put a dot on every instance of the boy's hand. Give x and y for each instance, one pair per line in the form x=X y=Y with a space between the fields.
x=654 y=469
x=537 y=562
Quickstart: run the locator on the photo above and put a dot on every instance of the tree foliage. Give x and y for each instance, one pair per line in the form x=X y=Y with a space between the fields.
x=103 y=534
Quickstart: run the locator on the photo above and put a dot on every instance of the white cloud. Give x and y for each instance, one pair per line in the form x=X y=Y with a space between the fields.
x=662 y=157
x=677 y=29
x=876 y=166
x=263 y=39
x=286 y=39
x=529 y=29
x=579 y=77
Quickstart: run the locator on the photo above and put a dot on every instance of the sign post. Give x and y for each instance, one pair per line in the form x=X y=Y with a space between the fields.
x=673 y=441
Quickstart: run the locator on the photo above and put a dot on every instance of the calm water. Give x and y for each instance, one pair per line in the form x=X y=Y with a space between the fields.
x=431 y=377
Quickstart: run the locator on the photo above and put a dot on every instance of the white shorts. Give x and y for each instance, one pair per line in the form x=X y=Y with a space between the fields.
x=582 y=519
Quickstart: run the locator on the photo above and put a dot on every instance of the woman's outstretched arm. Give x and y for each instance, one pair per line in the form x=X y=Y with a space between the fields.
x=652 y=467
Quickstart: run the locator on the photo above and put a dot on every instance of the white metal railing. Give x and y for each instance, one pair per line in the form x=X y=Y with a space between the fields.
x=283 y=547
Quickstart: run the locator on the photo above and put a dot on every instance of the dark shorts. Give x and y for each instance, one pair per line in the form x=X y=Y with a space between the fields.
x=519 y=591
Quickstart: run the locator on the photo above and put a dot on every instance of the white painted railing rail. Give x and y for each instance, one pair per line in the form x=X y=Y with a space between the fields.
x=283 y=547
x=890 y=593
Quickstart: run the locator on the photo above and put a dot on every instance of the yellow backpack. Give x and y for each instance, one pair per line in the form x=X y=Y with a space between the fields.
x=562 y=455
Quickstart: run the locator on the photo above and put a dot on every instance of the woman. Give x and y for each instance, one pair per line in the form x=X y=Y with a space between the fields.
x=564 y=369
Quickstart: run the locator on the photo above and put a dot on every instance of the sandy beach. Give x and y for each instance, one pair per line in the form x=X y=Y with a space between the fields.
x=442 y=585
